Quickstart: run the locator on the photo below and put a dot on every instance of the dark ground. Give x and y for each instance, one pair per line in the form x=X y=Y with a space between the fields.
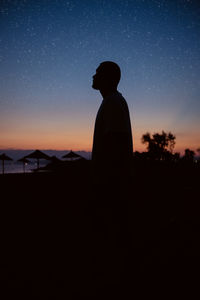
x=54 y=245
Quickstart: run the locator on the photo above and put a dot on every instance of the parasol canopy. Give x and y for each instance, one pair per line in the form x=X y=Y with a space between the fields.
x=71 y=155
x=37 y=154
x=4 y=157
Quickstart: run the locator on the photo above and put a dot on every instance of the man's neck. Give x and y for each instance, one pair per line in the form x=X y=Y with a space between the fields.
x=107 y=92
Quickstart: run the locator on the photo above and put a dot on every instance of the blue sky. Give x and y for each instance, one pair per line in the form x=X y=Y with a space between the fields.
x=49 y=51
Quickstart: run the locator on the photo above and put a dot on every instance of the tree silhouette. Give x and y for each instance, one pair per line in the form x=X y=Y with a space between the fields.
x=159 y=146
x=189 y=155
x=171 y=141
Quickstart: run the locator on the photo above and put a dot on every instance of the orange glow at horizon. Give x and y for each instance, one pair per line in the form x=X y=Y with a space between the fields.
x=74 y=130
x=79 y=140
x=50 y=141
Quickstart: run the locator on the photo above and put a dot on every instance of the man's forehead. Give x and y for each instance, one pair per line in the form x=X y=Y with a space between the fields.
x=99 y=68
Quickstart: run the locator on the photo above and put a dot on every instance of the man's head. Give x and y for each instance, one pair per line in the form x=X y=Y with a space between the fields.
x=107 y=76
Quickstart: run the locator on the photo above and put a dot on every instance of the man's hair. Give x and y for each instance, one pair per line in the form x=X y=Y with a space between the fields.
x=112 y=72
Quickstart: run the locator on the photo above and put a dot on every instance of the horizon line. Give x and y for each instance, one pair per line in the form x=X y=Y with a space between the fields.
x=47 y=149
x=70 y=149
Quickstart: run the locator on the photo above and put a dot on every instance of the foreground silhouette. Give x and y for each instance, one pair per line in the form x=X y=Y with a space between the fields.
x=51 y=250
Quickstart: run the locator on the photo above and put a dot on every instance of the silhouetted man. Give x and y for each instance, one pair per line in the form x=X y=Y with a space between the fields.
x=112 y=143
x=111 y=156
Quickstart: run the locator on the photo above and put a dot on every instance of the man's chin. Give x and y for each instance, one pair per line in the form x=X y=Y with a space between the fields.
x=95 y=87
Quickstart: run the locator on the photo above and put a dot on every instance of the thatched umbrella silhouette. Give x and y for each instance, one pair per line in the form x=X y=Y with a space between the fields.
x=4 y=157
x=24 y=161
x=71 y=155
x=37 y=154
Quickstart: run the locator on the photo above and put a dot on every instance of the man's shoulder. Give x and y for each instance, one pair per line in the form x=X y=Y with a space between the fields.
x=115 y=99
x=115 y=95
x=117 y=102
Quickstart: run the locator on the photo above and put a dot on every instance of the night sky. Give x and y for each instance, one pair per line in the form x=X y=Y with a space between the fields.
x=49 y=51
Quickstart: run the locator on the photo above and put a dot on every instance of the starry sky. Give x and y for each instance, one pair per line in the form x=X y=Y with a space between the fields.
x=50 y=49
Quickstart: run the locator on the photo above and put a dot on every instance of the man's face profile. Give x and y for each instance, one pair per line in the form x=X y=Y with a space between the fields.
x=98 y=78
x=107 y=76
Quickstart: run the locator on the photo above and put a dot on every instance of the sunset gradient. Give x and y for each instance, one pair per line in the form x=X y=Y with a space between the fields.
x=49 y=51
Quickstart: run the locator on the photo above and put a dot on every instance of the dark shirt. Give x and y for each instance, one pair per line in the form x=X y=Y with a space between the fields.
x=112 y=143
